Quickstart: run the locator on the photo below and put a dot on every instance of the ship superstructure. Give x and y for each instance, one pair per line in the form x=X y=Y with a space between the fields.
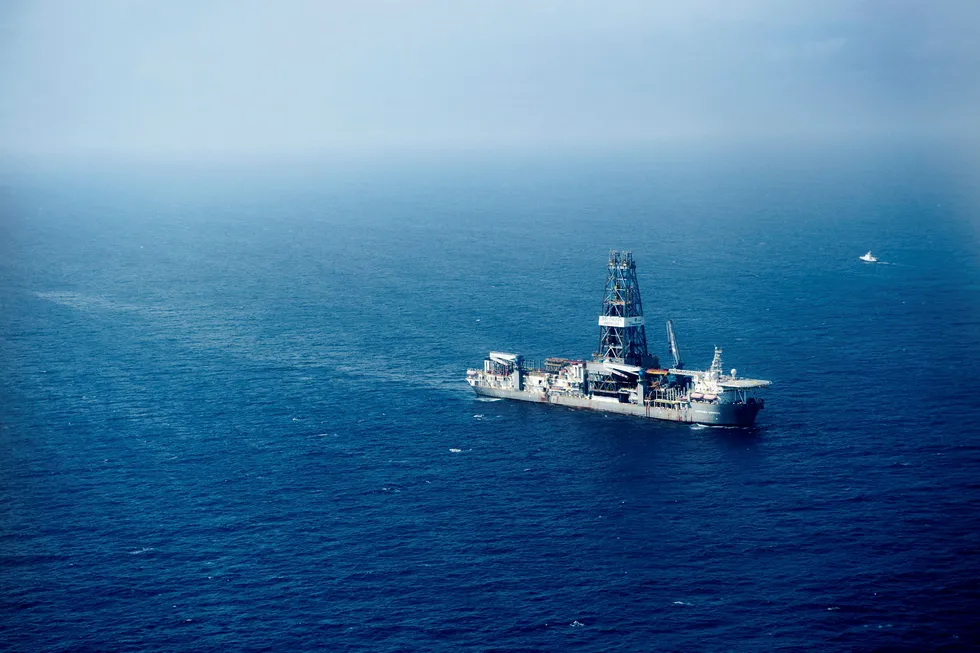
x=622 y=376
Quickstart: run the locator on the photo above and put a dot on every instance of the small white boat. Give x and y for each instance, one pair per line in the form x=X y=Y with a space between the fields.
x=868 y=258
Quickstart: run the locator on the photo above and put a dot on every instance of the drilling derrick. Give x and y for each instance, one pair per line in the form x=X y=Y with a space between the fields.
x=622 y=336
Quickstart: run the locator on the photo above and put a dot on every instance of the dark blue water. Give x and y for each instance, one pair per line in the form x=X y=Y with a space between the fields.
x=230 y=395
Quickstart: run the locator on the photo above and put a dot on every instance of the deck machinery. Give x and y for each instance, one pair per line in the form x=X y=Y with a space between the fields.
x=622 y=376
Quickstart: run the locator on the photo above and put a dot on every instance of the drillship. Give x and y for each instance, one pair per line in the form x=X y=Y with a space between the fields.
x=622 y=376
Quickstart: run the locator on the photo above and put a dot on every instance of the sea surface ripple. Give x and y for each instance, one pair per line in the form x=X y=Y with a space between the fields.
x=234 y=417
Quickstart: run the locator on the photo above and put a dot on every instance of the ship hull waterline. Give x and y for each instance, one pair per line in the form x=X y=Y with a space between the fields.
x=710 y=414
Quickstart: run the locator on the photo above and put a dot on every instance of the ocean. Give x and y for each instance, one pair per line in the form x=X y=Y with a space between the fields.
x=234 y=414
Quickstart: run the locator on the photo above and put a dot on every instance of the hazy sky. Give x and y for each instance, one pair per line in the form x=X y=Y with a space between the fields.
x=198 y=76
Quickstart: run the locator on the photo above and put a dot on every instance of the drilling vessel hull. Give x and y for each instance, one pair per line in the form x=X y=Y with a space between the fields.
x=712 y=415
x=622 y=376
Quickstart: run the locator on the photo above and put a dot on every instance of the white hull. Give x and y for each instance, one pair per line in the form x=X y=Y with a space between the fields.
x=691 y=412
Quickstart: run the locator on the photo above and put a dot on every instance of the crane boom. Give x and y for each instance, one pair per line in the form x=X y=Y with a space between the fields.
x=672 y=343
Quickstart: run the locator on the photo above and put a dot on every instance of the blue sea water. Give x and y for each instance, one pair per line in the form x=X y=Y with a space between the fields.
x=233 y=397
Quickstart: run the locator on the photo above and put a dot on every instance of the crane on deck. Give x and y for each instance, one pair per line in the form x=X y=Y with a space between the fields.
x=672 y=344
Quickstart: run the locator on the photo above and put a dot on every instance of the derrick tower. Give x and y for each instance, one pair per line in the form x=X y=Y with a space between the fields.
x=622 y=336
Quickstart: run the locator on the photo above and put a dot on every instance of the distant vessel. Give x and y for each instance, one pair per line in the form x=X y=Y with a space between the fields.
x=622 y=376
x=868 y=258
